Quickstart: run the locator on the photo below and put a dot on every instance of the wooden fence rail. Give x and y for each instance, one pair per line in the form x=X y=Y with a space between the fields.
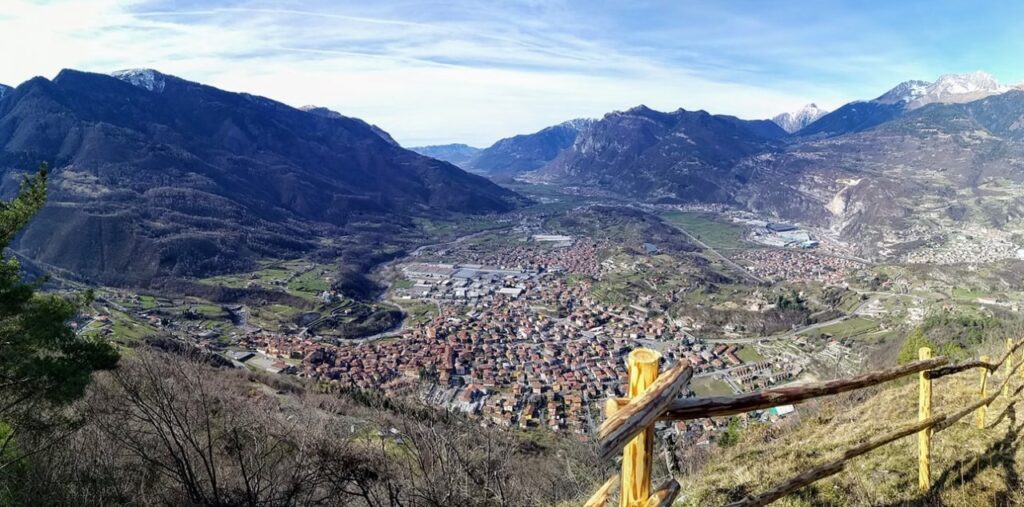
x=981 y=363
x=630 y=422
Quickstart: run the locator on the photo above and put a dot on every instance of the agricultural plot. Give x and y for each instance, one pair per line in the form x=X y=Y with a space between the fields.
x=715 y=233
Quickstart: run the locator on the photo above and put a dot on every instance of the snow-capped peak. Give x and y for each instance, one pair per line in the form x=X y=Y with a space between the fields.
x=796 y=120
x=947 y=89
x=959 y=84
x=143 y=78
x=905 y=92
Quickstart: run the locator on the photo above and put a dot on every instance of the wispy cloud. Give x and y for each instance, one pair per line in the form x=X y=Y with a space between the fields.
x=467 y=71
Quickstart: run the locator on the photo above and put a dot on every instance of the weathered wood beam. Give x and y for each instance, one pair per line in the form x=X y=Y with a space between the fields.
x=956 y=368
x=600 y=497
x=714 y=406
x=969 y=365
x=643 y=410
x=665 y=495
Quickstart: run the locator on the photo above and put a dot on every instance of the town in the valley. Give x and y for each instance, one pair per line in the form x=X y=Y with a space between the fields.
x=512 y=331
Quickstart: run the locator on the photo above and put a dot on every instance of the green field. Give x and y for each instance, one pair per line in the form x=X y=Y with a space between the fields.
x=969 y=295
x=148 y=302
x=710 y=386
x=308 y=284
x=715 y=233
x=297 y=277
x=418 y=311
x=749 y=355
x=850 y=327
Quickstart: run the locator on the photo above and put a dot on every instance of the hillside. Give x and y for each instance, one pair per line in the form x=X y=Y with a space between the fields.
x=969 y=466
x=910 y=182
x=187 y=433
x=155 y=176
x=527 y=152
x=680 y=155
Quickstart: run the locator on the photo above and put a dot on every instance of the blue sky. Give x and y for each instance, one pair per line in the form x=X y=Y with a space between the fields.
x=475 y=71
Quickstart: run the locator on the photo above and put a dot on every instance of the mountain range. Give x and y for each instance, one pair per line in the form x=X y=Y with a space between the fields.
x=646 y=153
x=155 y=176
x=904 y=97
x=512 y=156
x=886 y=173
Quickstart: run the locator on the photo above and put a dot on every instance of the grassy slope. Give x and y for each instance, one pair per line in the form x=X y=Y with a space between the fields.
x=969 y=466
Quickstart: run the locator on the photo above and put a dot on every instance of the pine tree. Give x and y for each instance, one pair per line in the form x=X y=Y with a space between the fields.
x=44 y=365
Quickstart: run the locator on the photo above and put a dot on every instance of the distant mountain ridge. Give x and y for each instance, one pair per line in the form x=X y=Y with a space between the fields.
x=156 y=176
x=527 y=152
x=458 y=154
x=870 y=171
x=4 y=90
x=796 y=120
x=947 y=89
x=907 y=96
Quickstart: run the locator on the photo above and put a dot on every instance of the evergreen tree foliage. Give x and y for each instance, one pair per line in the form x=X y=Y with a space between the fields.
x=43 y=363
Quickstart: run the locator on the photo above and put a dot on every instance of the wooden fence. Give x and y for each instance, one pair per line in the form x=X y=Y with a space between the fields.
x=628 y=428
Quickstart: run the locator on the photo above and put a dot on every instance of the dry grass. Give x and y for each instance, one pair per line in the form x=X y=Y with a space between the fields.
x=969 y=466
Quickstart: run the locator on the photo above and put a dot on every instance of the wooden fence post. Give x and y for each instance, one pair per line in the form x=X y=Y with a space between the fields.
x=638 y=455
x=981 y=395
x=1009 y=367
x=1022 y=359
x=924 y=412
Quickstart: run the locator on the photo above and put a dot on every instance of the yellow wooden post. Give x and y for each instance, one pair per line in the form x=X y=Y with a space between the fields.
x=610 y=407
x=638 y=455
x=924 y=412
x=982 y=410
x=1022 y=359
x=1009 y=367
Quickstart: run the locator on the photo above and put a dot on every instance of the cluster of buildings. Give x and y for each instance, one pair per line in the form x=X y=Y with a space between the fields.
x=579 y=256
x=461 y=282
x=971 y=246
x=517 y=341
x=797 y=266
x=542 y=358
x=783 y=235
x=512 y=363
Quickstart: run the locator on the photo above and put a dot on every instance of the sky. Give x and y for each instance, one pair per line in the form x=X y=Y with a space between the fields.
x=474 y=71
